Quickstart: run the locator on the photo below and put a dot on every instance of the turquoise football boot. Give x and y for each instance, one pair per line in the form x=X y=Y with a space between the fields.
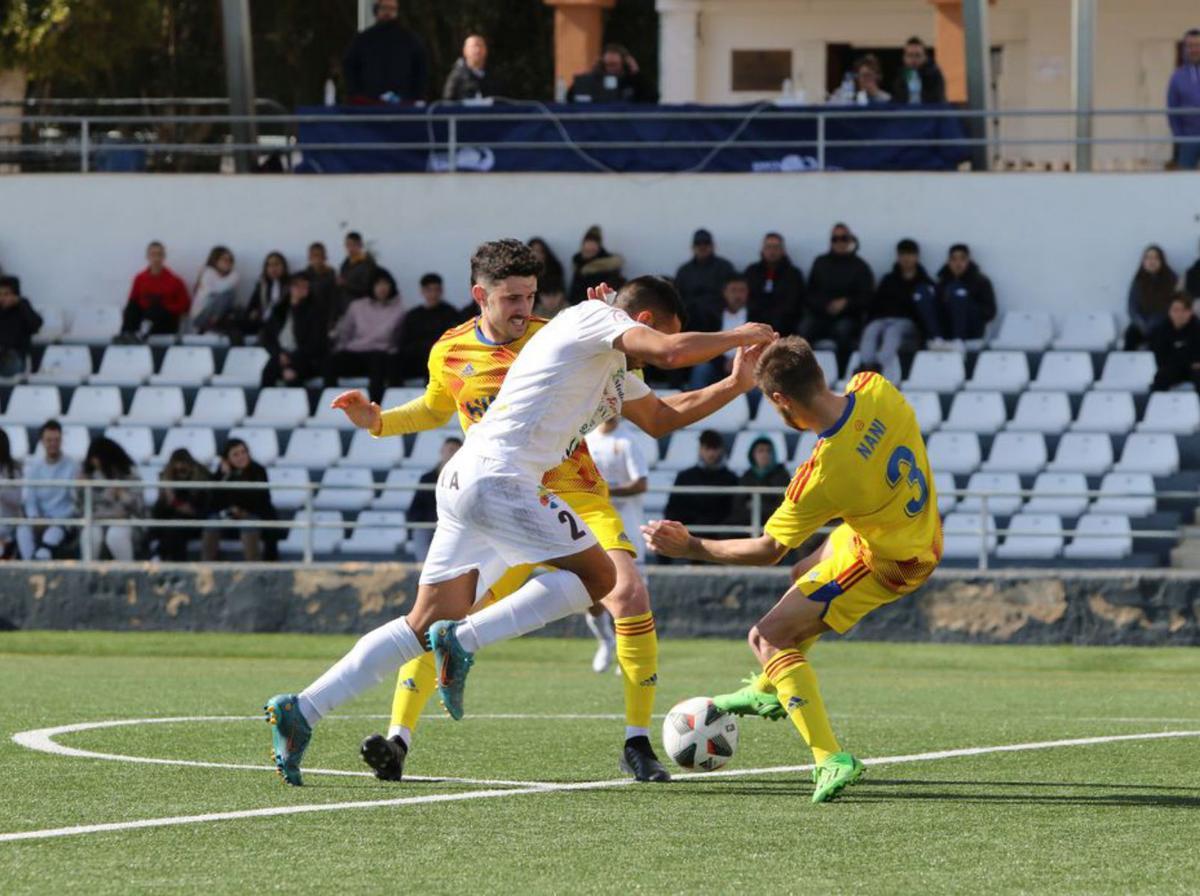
x=290 y=734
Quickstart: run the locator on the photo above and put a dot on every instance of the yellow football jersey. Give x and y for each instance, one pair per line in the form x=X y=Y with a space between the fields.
x=870 y=469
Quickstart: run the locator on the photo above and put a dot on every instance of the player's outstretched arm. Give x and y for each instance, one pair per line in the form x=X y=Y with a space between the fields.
x=412 y=416
x=689 y=349
x=672 y=539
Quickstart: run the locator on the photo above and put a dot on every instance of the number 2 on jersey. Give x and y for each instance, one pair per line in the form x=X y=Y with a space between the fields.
x=576 y=532
x=903 y=455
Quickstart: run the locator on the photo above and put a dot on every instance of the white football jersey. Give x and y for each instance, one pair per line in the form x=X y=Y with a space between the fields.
x=567 y=380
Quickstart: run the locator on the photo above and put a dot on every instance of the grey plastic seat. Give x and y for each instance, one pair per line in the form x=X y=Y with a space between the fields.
x=377 y=532
x=1101 y=537
x=1062 y=493
x=1000 y=371
x=95 y=406
x=1032 y=536
x=1017 y=452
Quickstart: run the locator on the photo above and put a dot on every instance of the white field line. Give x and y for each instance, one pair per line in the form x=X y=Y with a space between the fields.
x=276 y=811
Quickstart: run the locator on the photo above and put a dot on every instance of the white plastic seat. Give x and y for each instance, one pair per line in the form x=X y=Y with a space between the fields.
x=767 y=419
x=328 y=417
x=1127 y=371
x=1110 y=412
x=262 y=441
x=64 y=365
x=1064 y=372
x=185 y=365
x=659 y=484
x=394 y=396
x=964 y=533
x=124 y=365
x=1175 y=412
x=427 y=449
x=1101 y=537
x=219 y=406
x=1000 y=489
x=287 y=492
x=1089 y=331
x=683 y=451
x=1156 y=453
x=325 y=538
x=279 y=406
x=1000 y=372
x=944 y=484
x=397 y=499
x=94 y=325
x=345 y=488
x=1062 y=493
x=1044 y=412
x=374 y=454
x=1032 y=536
x=378 y=532
x=1024 y=331
x=936 y=372
x=95 y=406
x=159 y=406
x=731 y=418
x=54 y=325
x=954 y=452
x=200 y=442
x=981 y=412
x=804 y=447
x=1130 y=494
x=928 y=408
x=315 y=449
x=243 y=366
x=18 y=441
x=739 y=460
x=1083 y=452
x=827 y=361
x=138 y=441
x=32 y=405
x=647 y=443
x=1017 y=452
x=149 y=473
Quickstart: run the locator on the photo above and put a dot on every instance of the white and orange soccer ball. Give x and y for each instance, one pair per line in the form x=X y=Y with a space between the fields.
x=698 y=736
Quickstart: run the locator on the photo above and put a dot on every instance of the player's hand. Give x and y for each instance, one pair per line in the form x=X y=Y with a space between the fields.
x=602 y=293
x=362 y=413
x=667 y=537
x=754 y=334
x=744 y=363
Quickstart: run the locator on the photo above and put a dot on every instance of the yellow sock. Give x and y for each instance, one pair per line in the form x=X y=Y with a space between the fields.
x=796 y=683
x=414 y=686
x=763 y=683
x=637 y=655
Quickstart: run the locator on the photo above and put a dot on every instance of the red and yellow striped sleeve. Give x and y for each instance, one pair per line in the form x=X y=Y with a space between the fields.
x=806 y=506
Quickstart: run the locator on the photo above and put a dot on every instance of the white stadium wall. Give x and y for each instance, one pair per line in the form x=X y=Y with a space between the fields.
x=1049 y=241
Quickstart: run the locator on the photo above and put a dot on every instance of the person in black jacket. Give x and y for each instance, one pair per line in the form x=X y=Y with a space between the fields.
x=839 y=288
x=179 y=498
x=422 y=327
x=423 y=508
x=965 y=302
x=920 y=81
x=765 y=472
x=701 y=279
x=240 y=504
x=1191 y=280
x=1176 y=346
x=892 y=321
x=704 y=509
x=615 y=78
x=296 y=336
x=592 y=265
x=19 y=323
x=270 y=290
x=385 y=62
x=776 y=288
x=470 y=78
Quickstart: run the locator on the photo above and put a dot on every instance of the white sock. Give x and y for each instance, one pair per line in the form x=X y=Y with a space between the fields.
x=377 y=654
x=601 y=626
x=634 y=731
x=403 y=732
x=535 y=604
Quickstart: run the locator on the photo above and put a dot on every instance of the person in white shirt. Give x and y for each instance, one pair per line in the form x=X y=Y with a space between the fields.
x=735 y=294
x=214 y=300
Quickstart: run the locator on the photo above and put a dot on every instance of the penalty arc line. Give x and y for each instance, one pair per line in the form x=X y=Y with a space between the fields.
x=276 y=811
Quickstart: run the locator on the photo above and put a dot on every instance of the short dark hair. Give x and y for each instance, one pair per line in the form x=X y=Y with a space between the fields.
x=430 y=279
x=651 y=293
x=1182 y=298
x=150 y=245
x=773 y=235
x=1192 y=32
x=908 y=246
x=710 y=438
x=960 y=247
x=354 y=235
x=915 y=41
x=455 y=439
x=299 y=278
x=499 y=259
x=51 y=426
x=317 y=245
x=10 y=282
x=789 y=367
x=734 y=278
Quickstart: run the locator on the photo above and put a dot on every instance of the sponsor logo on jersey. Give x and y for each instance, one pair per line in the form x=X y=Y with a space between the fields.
x=796 y=703
x=469 y=370
x=625 y=538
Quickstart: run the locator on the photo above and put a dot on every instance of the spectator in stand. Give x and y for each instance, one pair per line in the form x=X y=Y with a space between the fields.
x=965 y=302
x=158 y=299
x=19 y=323
x=385 y=62
x=11 y=506
x=323 y=280
x=270 y=290
x=839 y=288
x=422 y=327
x=469 y=78
x=868 y=76
x=615 y=78
x=367 y=336
x=1150 y=294
x=357 y=273
x=1183 y=92
x=296 y=336
x=776 y=288
x=552 y=284
x=593 y=265
x=108 y=460
x=765 y=472
x=702 y=277
x=1192 y=280
x=240 y=504
x=214 y=298
x=920 y=81
x=704 y=509
x=55 y=502
x=179 y=498
x=892 y=321
x=423 y=508
x=1176 y=346
x=733 y=314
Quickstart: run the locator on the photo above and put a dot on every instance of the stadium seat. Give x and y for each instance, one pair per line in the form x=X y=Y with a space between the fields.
x=261 y=440
x=804 y=447
x=981 y=412
x=287 y=492
x=739 y=454
x=184 y=365
x=936 y=372
x=327 y=417
x=325 y=537
x=1017 y=452
x=93 y=325
x=1130 y=494
x=827 y=361
x=54 y=325
x=315 y=449
x=64 y=365
x=1083 y=452
x=1000 y=489
x=928 y=408
x=394 y=396
x=218 y=406
x=32 y=405
x=1064 y=372
x=1127 y=371
x=1156 y=453
x=944 y=484
x=683 y=451
x=138 y=441
x=200 y=442
x=1101 y=537
x=372 y=453
x=954 y=452
x=1088 y=331
x=159 y=406
x=1024 y=331
x=1174 y=412
x=397 y=499
x=767 y=419
x=647 y=443
x=1000 y=372
x=659 y=485
x=731 y=418
x=279 y=406
x=1044 y=412
x=378 y=532
x=1110 y=412
x=1062 y=493
x=243 y=367
x=95 y=406
x=18 y=441
x=427 y=449
x=345 y=488
x=963 y=534
x=124 y=365
x=1032 y=536
x=75 y=441
x=149 y=473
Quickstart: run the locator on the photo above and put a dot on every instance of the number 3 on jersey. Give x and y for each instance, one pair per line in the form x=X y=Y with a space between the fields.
x=901 y=457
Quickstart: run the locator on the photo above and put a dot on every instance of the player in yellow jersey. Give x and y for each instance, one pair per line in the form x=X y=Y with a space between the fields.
x=868 y=468
x=467 y=365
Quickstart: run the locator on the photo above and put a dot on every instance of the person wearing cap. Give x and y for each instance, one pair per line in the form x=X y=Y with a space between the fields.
x=892 y=316
x=700 y=281
x=839 y=288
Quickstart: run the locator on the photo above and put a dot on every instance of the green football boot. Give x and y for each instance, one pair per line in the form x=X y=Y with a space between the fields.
x=833 y=776
x=452 y=663
x=290 y=734
x=750 y=701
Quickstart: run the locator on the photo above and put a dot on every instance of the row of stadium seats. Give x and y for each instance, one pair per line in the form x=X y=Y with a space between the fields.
x=1038 y=536
x=1009 y=371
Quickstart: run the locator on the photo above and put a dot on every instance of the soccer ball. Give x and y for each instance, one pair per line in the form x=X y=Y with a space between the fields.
x=699 y=736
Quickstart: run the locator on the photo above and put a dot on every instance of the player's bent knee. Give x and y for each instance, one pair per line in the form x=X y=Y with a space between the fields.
x=628 y=598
